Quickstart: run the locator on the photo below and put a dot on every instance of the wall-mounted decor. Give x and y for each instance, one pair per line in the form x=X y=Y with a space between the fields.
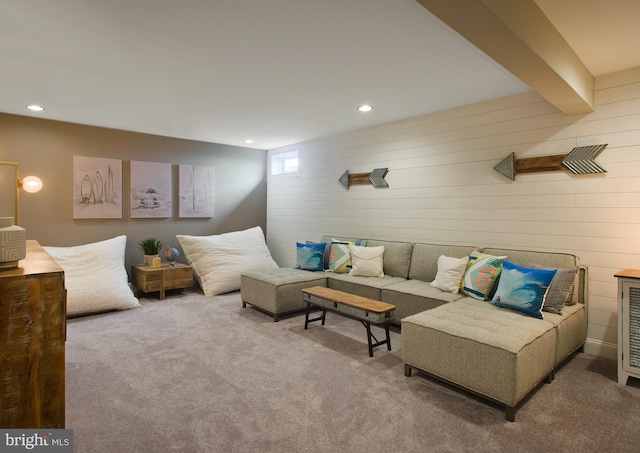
x=195 y=197
x=97 y=188
x=150 y=190
x=375 y=178
x=579 y=161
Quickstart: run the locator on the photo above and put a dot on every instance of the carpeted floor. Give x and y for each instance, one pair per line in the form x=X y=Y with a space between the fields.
x=202 y=374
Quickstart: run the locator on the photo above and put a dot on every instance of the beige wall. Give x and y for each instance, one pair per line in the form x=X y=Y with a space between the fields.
x=443 y=188
x=46 y=149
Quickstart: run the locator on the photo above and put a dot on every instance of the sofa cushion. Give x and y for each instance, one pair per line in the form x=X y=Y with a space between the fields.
x=484 y=323
x=397 y=256
x=571 y=329
x=367 y=261
x=413 y=296
x=310 y=256
x=523 y=289
x=336 y=238
x=450 y=272
x=481 y=275
x=361 y=286
x=549 y=260
x=328 y=240
x=424 y=259
x=545 y=260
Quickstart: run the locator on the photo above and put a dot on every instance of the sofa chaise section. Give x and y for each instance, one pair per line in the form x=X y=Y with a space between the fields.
x=278 y=292
x=494 y=352
x=571 y=326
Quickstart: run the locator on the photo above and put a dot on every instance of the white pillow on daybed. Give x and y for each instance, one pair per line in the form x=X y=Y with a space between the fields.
x=95 y=277
x=219 y=260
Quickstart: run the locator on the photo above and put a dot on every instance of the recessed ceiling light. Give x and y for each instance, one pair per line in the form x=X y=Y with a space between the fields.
x=365 y=108
x=248 y=141
x=35 y=108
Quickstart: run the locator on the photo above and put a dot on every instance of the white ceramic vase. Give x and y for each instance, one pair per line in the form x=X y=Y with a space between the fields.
x=13 y=243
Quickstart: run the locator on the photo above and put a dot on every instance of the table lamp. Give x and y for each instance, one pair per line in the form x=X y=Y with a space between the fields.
x=13 y=246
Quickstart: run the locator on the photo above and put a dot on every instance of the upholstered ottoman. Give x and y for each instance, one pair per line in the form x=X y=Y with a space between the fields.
x=278 y=291
x=494 y=352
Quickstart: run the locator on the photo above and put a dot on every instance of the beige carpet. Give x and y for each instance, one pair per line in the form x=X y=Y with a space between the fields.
x=202 y=374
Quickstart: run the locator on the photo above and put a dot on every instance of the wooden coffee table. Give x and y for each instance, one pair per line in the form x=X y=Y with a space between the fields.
x=150 y=279
x=366 y=310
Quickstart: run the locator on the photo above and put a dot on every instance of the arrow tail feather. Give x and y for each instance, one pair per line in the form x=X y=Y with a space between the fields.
x=584 y=167
x=580 y=160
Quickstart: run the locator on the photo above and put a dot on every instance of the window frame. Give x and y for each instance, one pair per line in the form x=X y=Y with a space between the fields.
x=277 y=161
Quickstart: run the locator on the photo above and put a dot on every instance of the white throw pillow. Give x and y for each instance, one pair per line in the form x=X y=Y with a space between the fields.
x=95 y=277
x=219 y=260
x=450 y=273
x=367 y=261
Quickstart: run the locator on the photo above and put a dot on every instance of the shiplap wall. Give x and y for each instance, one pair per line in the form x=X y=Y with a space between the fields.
x=443 y=189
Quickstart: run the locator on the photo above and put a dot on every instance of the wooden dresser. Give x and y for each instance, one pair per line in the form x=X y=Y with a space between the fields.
x=32 y=337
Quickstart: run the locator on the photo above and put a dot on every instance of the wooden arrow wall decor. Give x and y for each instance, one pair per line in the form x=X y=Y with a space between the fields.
x=579 y=161
x=375 y=178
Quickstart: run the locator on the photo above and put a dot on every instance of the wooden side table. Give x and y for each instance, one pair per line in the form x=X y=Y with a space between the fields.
x=149 y=279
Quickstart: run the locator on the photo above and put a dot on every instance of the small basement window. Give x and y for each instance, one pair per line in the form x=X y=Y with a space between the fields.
x=285 y=163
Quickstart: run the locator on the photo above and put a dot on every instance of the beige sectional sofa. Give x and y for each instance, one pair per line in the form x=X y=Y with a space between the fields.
x=498 y=353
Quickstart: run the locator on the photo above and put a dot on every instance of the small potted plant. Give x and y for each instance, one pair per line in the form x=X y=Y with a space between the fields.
x=151 y=248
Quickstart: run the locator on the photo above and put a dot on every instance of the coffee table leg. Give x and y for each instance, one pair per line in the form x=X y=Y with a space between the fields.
x=372 y=336
x=386 y=328
x=368 y=326
x=306 y=317
x=308 y=320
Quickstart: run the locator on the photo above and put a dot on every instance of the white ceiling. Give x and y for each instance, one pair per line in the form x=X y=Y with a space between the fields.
x=278 y=71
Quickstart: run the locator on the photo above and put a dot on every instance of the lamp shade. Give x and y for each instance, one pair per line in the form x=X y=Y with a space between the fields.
x=31 y=184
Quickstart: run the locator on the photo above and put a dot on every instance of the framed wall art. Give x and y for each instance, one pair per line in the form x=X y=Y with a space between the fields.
x=97 y=188
x=195 y=197
x=150 y=190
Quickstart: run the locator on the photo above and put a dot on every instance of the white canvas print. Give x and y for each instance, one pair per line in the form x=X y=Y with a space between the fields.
x=97 y=188
x=195 y=197
x=150 y=190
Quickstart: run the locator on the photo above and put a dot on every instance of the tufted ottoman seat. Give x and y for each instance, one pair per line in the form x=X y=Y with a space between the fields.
x=497 y=353
x=278 y=291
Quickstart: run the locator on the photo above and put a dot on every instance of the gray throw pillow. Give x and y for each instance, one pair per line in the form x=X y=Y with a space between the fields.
x=560 y=291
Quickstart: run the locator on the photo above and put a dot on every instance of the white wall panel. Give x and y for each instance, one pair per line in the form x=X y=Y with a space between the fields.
x=443 y=188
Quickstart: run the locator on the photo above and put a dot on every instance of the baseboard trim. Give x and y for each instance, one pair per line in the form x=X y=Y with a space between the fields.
x=601 y=349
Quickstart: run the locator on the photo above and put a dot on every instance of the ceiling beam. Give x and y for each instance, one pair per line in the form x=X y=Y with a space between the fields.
x=518 y=35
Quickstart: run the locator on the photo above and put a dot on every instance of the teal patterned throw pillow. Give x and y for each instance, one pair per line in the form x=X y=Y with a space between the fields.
x=481 y=275
x=310 y=257
x=340 y=256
